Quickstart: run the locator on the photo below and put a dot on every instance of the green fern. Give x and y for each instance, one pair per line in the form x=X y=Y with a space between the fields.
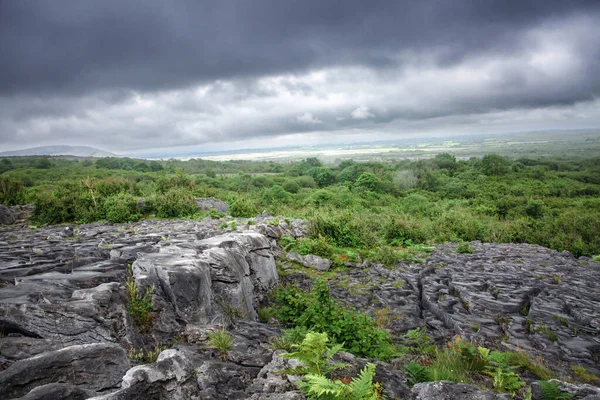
x=416 y=373
x=551 y=391
x=360 y=388
x=315 y=355
x=323 y=388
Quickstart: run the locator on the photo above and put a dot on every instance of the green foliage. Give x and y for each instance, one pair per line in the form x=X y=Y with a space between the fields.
x=220 y=340
x=368 y=181
x=12 y=191
x=494 y=164
x=464 y=248
x=121 y=207
x=315 y=355
x=175 y=203
x=461 y=361
x=318 y=311
x=274 y=195
x=43 y=163
x=551 y=391
x=144 y=357
x=323 y=176
x=419 y=340
x=550 y=202
x=291 y=186
x=265 y=314
x=416 y=373
x=583 y=374
x=139 y=307
x=361 y=387
x=242 y=208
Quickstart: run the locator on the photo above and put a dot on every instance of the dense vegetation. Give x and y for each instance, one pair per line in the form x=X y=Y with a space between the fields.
x=372 y=206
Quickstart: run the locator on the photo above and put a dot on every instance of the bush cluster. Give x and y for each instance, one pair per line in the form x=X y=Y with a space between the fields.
x=318 y=311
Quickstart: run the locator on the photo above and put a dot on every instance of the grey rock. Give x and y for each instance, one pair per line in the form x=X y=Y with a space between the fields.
x=210 y=203
x=271 y=380
x=54 y=391
x=295 y=257
x=68 y=231
x=8 y=215
x=444 y=390
x=220 y=380
x=171 y=377
x=583 y=391
x=316 y=262
x=89 y=366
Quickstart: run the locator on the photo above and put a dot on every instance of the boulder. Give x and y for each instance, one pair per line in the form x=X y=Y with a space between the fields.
x=444 y=390
x=316 y=262
x=96 y=367
x=210 y=203
x=171 y=377
x=8 y=215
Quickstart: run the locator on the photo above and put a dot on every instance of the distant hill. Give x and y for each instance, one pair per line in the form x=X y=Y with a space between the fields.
x=78 y=151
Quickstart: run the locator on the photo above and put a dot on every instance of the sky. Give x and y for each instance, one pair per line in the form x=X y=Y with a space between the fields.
x=152 y=76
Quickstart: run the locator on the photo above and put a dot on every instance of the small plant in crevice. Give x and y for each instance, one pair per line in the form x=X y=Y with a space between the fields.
x=265 y=314
x=419 y=341
x=553 y=337
x=524 y=311
x=582 y=373
x=464 y=248
x=316 y=356
x=220 y=340
x=144 y=357
x=139 y=307
x=551 y=391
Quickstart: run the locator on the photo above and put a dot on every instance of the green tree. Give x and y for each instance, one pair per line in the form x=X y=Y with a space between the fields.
x=494 y=164
x=323 y=176
x=445 y=161
x=368 y=181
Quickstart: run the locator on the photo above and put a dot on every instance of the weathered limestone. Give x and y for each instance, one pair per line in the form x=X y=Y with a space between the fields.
x=66 y=329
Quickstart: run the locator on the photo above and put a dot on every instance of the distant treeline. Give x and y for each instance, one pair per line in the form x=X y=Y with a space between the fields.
x=553 y=202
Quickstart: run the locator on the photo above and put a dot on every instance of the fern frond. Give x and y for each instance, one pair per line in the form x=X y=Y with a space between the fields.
x=323 y=388
x=361 y=386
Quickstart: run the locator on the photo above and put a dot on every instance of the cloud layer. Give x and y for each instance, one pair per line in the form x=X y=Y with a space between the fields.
x=141 y=75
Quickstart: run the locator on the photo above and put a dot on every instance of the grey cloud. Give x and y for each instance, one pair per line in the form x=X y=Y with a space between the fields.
x=78 y=46
x=156 y=74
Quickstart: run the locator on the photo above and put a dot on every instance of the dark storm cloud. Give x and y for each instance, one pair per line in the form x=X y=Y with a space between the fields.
x=75 y=45
x=125 y=75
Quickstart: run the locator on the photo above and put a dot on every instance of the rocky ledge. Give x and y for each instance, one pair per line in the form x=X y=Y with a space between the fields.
x=66 y=331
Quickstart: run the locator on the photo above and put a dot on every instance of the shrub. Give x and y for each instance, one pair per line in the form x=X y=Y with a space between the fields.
x=175 y=203
x=242 y=208
x=306 y=182
x=368 y=181
x=139 y=307
x=291 y=186
x=274 y=195
x=122 y=207
x=317 y=310
x=323 y=176
x=12 y=191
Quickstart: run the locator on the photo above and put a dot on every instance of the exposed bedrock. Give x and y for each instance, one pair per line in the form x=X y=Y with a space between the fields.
x=66 y=330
